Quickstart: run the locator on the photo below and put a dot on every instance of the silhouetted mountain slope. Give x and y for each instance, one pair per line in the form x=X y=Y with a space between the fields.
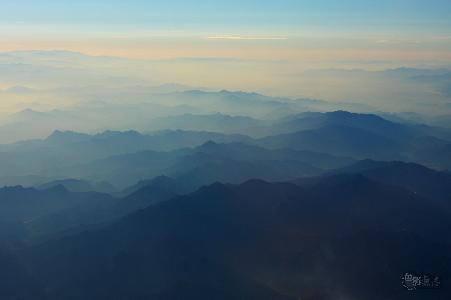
x=368 y=122
x=162 y=182
x=15 y=280
x=73 y=185
x=363 y=136
x=144 y=197
x=234 y=102
x=430 y=151
x=124 y=170
x=338 y=133
x=65 y=149
x=346 y=236
x=77 y=185
x=313 y=120
x=31 y=215
x=59 y=137
x=209 y=162
x=298 y=122
x=98 y=211
x=24 y=212
x=356 y=134
x=419 y=179
x=25 y=180
x=247 y=152
x=213 y=122
x=339 y=140
x=25 y=204
x=133 y=141
x=208 y=169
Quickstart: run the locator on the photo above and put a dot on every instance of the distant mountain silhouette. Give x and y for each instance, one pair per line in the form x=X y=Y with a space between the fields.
x=340 y=140
x=77 y=185
x=112 y=188
x=297 y=122
x=146 y=196
x=162 y=182
x=67 y=137
x=22 y=210
x=28 y=215
x=65 y=149
x=235 y=102
x=419 y=179
x=213 y=122
x=24 y=204
x=340 y=133
x=368 y=122
x=210 y=162
x=362 y=136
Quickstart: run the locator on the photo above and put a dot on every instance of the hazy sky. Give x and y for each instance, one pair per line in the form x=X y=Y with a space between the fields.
x=383 y=30
x=262 y=46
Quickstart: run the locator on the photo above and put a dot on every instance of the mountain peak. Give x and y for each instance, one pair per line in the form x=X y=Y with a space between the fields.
x=111 y=133
x=348 y=114
x=369 y=164
x=59 y=188
x=13 y=188
x=67 y=136
x=209 y=145
x=217 y=188
x=340 y=113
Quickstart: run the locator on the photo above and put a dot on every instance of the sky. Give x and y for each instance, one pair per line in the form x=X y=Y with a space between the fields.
x=383 y=30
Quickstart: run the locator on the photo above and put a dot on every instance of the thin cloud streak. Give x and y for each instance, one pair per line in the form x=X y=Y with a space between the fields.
x=248 y=38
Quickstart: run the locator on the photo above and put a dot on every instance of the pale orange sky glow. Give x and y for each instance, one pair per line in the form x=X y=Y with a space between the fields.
x=300 y=50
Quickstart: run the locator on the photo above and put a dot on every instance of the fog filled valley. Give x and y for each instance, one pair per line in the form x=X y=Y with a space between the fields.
x=222 y=195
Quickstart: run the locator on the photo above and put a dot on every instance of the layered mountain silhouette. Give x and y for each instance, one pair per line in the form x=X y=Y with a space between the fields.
x=364 y=136
x=65 y=149
x=347 y=236
x=29 y=215
x=419 y=179
x=207 y=163
x=77 y=185
x=308 y=206
x=25 y=211
x=112 y=188
x=342 y=140
x=357 y=136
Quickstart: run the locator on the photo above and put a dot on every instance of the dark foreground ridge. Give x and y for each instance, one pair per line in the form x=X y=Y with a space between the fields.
x=344 y=235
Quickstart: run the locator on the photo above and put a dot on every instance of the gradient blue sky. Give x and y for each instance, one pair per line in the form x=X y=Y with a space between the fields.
x=387 y=15
x=382 y=29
